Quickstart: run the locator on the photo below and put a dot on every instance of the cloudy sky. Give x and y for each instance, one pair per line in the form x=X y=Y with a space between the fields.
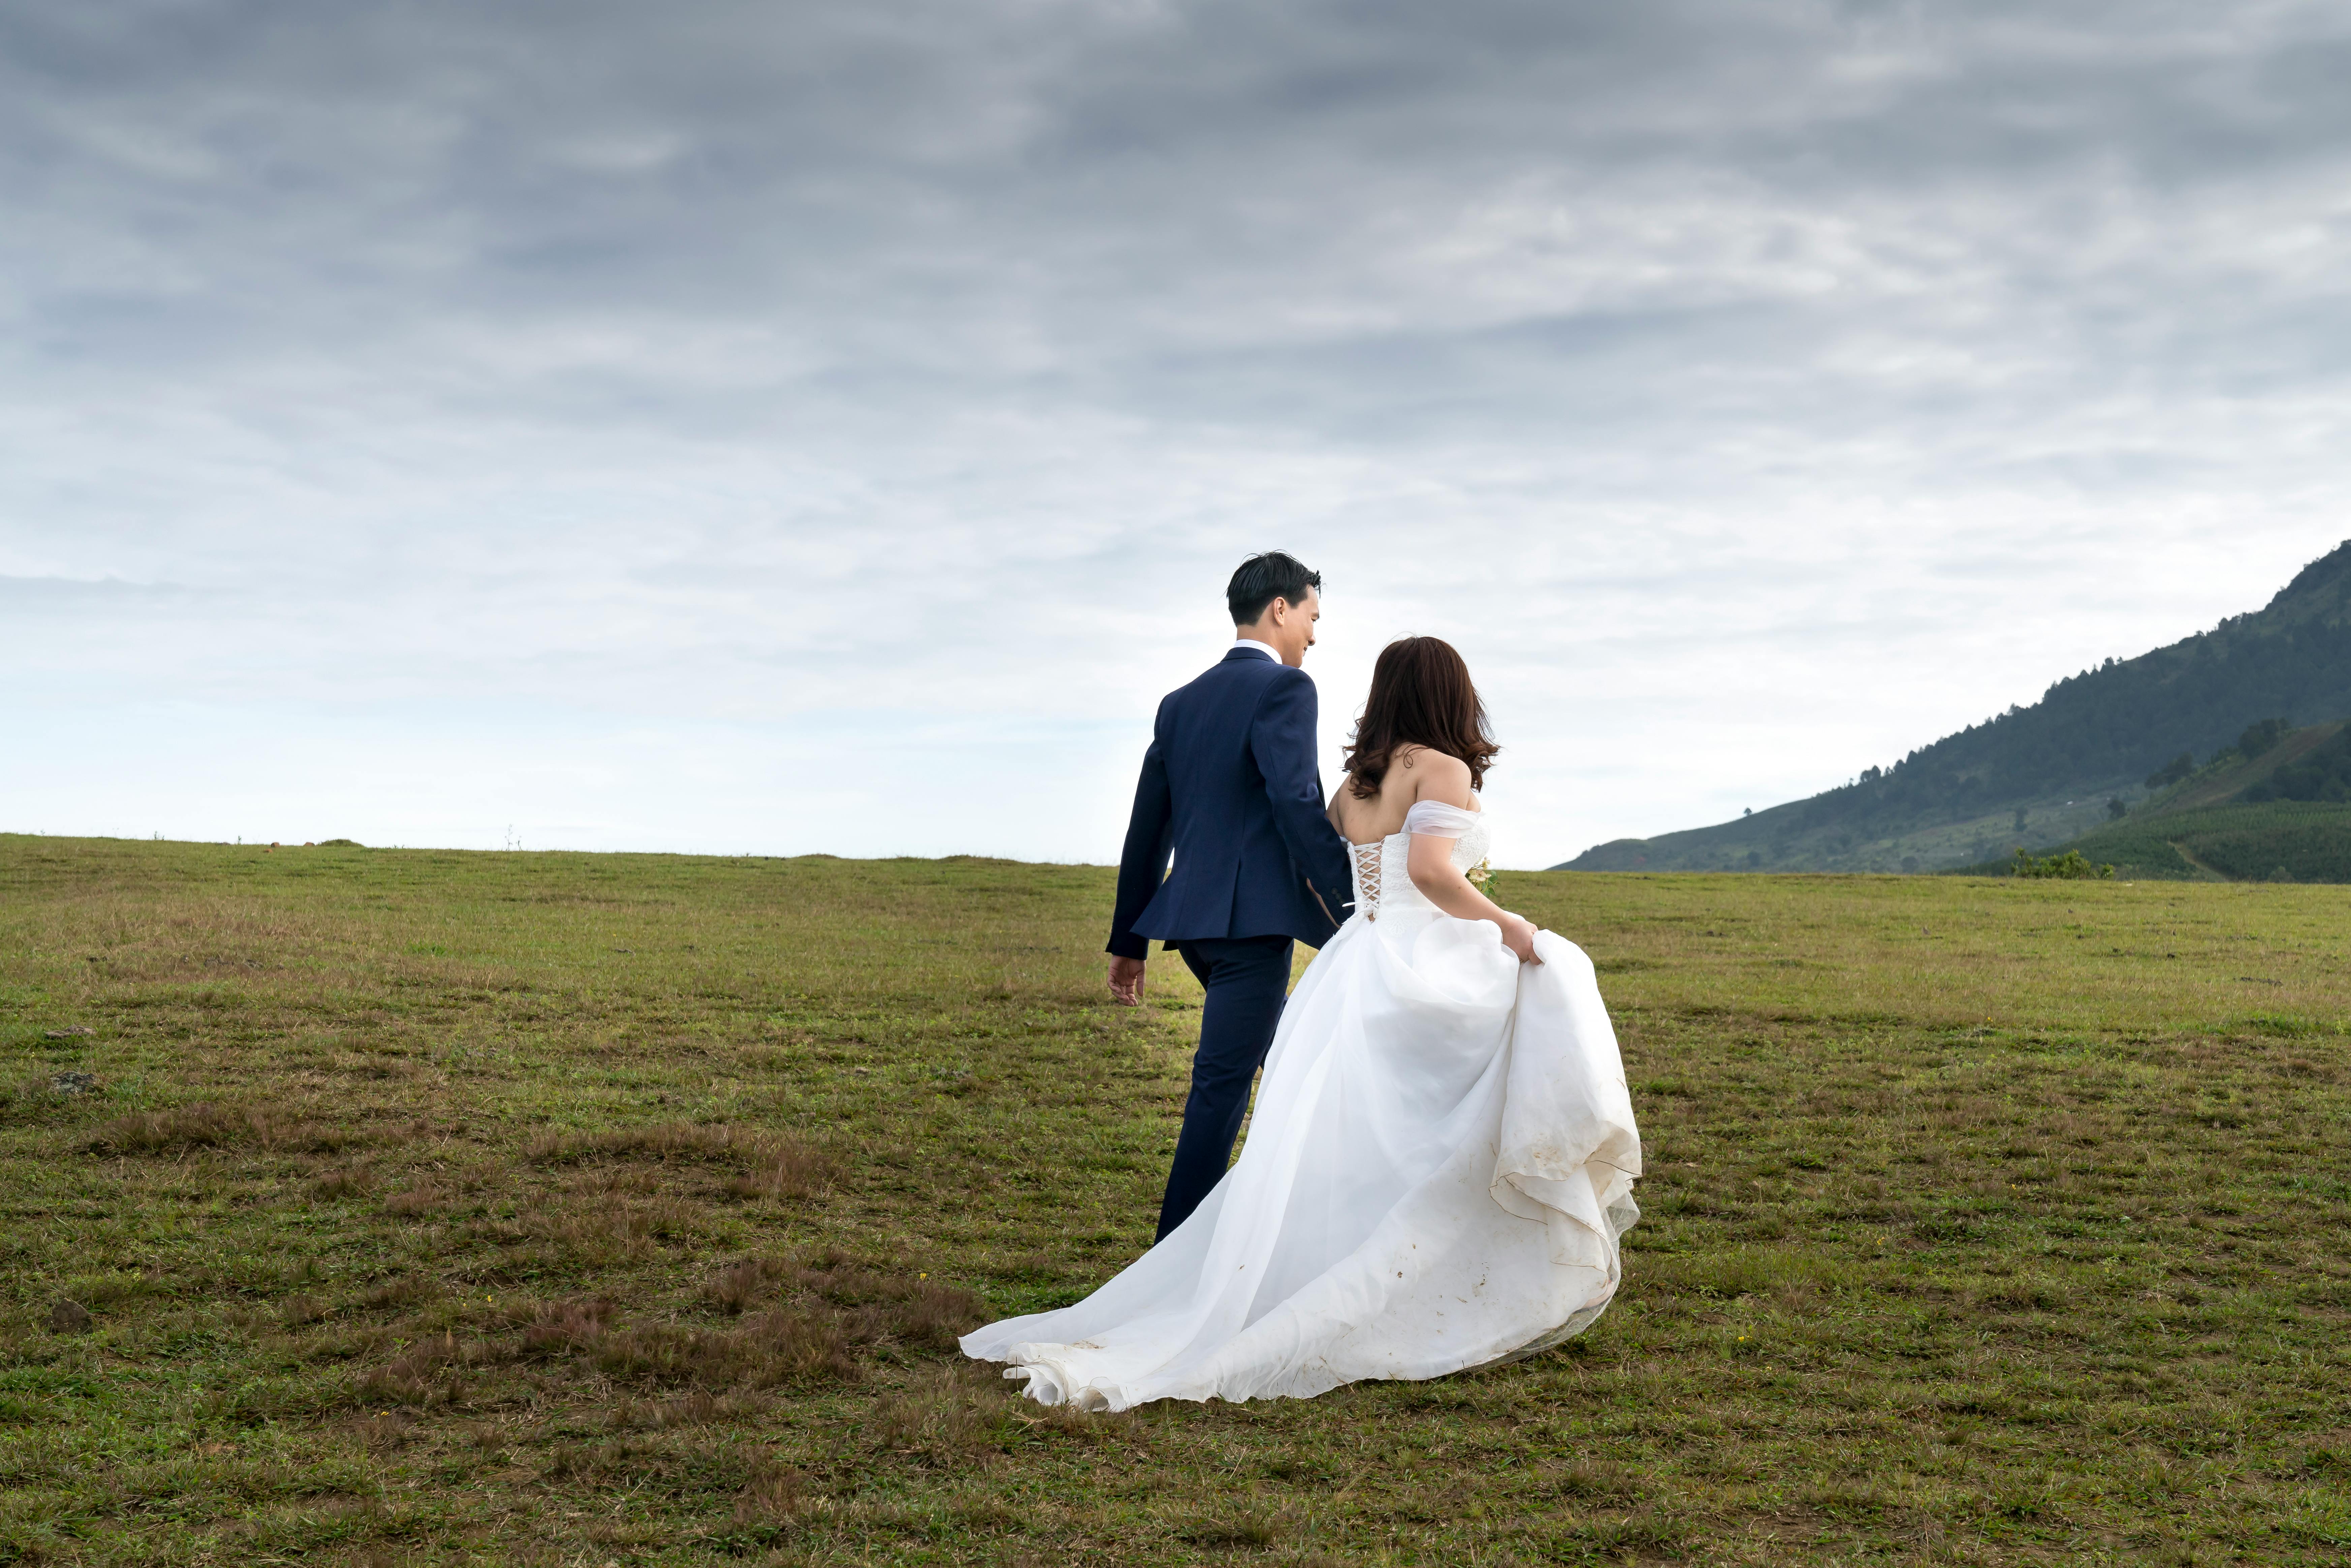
x=784 y=427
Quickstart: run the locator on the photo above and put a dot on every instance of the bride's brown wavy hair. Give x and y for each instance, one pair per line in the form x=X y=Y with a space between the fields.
x=1421 y=695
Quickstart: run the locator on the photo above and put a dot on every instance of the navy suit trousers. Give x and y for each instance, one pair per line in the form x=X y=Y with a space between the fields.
x=1246 y=979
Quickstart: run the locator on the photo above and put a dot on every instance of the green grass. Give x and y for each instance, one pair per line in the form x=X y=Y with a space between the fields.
x=439 y=1208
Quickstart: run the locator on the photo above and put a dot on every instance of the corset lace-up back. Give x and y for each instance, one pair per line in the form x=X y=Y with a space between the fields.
x=1383 y=880
x=1367 y=877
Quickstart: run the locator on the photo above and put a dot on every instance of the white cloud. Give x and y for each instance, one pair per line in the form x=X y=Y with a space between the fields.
x=831 y=428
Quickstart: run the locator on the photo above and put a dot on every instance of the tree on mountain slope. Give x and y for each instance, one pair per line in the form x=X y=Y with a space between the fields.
x=2119 y=720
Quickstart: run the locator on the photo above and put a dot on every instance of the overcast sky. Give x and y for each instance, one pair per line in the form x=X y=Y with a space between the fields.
x=787 y=427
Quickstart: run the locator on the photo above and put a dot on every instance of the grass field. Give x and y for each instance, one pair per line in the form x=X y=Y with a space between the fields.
x=575 y=1209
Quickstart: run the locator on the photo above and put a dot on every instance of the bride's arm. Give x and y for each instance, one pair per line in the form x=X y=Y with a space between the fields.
x=1430 y=862
x=1429 y=859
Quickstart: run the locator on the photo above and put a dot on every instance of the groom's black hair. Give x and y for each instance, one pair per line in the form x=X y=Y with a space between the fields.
x=1262 y=578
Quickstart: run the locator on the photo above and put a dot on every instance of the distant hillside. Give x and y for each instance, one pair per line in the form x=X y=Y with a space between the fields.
x=2046 y=774
x=2285 y=841
x=2313 y=764
x=2279 y=811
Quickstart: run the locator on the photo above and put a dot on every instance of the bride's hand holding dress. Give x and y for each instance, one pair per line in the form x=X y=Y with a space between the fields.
x=1443 y=780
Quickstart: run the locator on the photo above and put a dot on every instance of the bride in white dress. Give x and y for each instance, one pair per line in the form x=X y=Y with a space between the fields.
x=1441 y=1155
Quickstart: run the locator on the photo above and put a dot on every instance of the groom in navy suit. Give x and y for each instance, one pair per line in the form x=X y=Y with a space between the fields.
x=1230 y=786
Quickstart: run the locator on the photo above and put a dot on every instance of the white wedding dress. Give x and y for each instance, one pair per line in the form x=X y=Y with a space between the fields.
x=1438 y=1168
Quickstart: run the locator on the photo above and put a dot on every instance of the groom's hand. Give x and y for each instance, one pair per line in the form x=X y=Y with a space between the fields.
x=1126 y=981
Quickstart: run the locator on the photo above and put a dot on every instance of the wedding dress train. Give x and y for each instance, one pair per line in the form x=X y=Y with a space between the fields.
x=1438 y=1168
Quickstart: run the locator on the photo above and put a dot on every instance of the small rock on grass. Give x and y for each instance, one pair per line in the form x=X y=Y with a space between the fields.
x=69 y=1317
x=73 y=1033
x=72 y=1084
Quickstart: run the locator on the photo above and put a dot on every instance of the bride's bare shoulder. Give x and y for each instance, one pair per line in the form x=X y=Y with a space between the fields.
x=1437 y=776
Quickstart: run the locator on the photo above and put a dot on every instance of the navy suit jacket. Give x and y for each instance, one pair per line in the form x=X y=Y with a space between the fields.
x=1229 y=785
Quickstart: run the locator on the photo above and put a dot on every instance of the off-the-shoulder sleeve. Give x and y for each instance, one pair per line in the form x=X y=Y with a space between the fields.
x=1435 y=820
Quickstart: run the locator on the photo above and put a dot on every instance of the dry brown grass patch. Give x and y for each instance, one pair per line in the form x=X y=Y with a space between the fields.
x=767 y=1349
x=785 y=1512
x=967 y=1411
x=942 y=1418
x=561 y=1327
x=787 y=1169
x=699 y=1408
x=883 y=1303
x=874 y=1303
x=1592 y=1479
x=408 y=1291
x=2022 y=1295
x=711 y=1143
x=1243 y=1529
x=353 y=1181
x=611 y=1184
x=737 y=1285
x=1100 y=1427
x=384 y=1431
x=775 y=1496
x=432 y=1372
x=603 y=1235
x=792 y=1326
x=775 y=1165
x=426 y=1197
x=210 y=1125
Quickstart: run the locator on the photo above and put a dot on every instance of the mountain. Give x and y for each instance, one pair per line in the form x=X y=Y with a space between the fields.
x=2095 y=744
